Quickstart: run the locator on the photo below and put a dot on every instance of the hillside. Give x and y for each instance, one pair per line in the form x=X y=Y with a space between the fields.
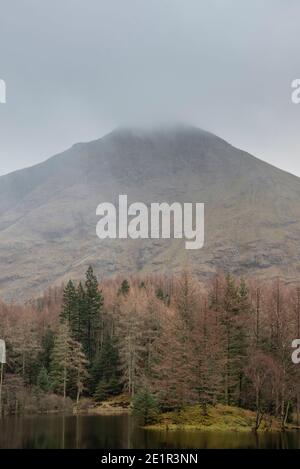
x=48 y=212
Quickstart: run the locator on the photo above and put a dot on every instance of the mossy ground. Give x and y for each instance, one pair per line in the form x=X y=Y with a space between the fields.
x=217 y=418
x=114 y=405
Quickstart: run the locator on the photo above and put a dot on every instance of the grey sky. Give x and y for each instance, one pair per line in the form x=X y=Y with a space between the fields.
x=75 y=69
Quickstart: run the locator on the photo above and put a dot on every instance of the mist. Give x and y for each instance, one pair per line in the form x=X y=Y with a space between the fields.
x=75 y=70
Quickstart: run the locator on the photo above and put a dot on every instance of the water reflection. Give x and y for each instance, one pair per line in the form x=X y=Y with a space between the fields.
x=123 y=432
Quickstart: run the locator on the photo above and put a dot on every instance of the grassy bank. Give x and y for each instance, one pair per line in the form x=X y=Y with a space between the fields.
x=113 y=406
x=217 y=418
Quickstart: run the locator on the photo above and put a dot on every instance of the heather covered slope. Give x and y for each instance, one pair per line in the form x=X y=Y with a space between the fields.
x=48 y=212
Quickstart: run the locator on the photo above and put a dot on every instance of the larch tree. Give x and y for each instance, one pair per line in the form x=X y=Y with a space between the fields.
x=62 y=359
x=130 y=333
x=79 y=365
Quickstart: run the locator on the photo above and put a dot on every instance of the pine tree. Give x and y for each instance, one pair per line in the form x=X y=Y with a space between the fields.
x=43 y=381
x=242 y=326
x=234 y=316
x=145 y=406
x=208 y=356
x=92 y=320
x=101 y=392
x=106 y=367
x=81 y=305
x=125 y=287
x=105 y=389
x=69 y=310
x=46 y=348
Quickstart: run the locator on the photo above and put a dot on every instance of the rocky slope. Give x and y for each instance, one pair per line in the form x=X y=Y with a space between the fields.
x=48 y=212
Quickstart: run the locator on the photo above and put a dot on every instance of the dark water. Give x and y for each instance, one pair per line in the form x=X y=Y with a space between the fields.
x=112 y=432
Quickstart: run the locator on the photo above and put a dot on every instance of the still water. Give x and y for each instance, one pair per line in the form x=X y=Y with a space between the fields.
x=121 y=431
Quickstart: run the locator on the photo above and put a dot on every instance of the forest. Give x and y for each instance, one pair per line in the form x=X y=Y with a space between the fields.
x=166 y=341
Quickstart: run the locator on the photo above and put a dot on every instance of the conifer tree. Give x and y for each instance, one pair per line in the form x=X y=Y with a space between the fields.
x=161 y=295
x=68 y=363
x=125 y=287
x=46 y=348
x=105 y=370
x=242 y=325
x=26 y=349
x=228 y=315
x=81 y=305
x=69 y=310
x=43 y=381
x=145 y=406
x=186 y=298
x=92 y=320
x=62 y=359
x=80 y=364
x=131 y=341
x=234 y=317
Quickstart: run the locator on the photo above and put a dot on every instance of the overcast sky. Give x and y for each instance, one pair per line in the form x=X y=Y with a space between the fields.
x=75 y=69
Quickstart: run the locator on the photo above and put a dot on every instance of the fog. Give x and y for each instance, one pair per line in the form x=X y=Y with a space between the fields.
x=74 y=70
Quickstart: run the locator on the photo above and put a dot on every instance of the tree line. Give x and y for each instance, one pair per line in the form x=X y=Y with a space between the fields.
x=166 y=341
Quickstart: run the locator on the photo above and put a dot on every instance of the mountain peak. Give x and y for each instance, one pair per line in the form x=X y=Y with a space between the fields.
x=49 y=210
x=162 y=130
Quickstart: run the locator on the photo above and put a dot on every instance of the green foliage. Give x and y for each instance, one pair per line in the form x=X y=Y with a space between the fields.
x=225 y=344
x=161 y=295
x=69 y=310
x=81 y=305
x=219 y=418
x=46 y=349
x=91 y=317
x=106 y=389
x=124 y=288
x=106 y=366
x=43 y=381
x=235 y=312
x=82 y=310
x=78 y=336
x=145 y=406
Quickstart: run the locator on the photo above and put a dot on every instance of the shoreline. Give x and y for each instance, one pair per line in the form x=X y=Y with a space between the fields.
x=219 y=418
x=117 y=405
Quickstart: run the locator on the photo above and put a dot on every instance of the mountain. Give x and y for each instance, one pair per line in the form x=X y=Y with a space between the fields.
x=48 y=212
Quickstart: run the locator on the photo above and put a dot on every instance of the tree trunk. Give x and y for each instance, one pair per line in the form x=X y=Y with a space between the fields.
x=78 y=388
x=65 y=382
x=227 y=373
x=1 y=383
x=259 y=414
x=286 y=415
x=257 y=315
